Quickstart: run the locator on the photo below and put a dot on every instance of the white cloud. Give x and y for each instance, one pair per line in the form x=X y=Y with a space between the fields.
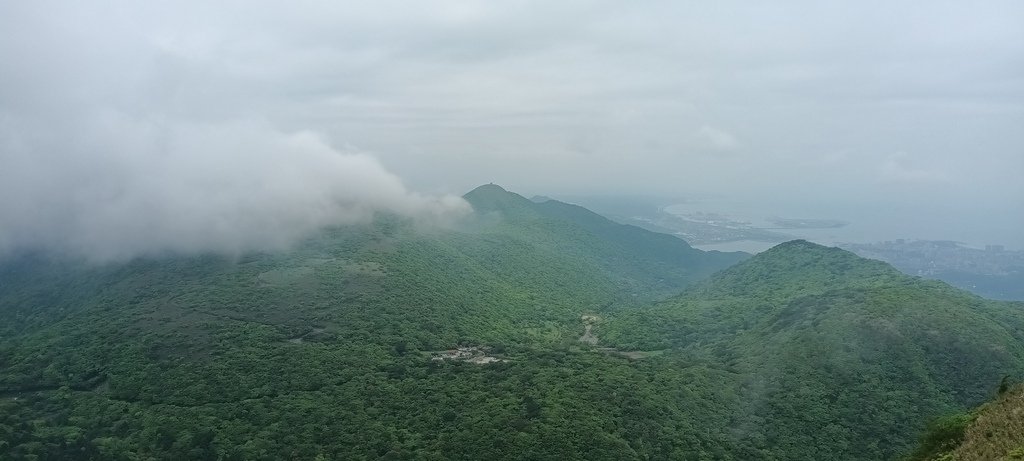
x=117 y=187
x=718 y=139
x=896 y=169
x=542 y=96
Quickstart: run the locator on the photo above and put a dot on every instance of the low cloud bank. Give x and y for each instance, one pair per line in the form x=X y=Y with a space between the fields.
x=111 y=187
x=129 y=129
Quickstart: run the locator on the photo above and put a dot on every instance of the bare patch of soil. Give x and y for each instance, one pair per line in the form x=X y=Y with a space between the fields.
x=472 y=354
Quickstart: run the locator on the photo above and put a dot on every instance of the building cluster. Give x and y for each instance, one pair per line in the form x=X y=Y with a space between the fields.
x=471 y=354
x=931 y=257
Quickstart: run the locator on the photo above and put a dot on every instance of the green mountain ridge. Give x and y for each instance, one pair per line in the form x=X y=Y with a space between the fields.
x=818 y=267
x=830 y=345
x=624 y=250
x=581 y=339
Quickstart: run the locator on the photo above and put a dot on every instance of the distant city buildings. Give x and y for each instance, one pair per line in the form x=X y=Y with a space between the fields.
x=993 y=272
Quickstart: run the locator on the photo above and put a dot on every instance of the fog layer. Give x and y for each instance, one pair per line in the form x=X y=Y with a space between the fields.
x=100 y=159
x=128 y=126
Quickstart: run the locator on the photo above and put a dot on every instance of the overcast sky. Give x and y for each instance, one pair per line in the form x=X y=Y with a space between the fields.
x=127 y=127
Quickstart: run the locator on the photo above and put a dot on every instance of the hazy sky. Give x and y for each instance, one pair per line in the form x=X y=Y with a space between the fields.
x=128 y=127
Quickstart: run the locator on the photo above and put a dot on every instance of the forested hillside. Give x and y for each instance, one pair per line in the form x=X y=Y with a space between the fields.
x=834 y=356
x=526 y=331
x=641 y=263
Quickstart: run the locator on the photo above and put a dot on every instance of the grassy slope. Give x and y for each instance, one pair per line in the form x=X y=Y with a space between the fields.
x=997 y=431
x=993 y=431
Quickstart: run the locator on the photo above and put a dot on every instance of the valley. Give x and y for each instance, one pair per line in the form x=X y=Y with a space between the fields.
x=525 y=331
x=511 y=230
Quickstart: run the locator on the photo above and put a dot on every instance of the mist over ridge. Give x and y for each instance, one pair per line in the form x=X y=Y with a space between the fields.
x=124 y=125
x=124 y=187
x=507 y=229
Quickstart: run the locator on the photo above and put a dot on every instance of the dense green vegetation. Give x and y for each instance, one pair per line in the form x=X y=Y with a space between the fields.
x=833 y=348
x=330 y=350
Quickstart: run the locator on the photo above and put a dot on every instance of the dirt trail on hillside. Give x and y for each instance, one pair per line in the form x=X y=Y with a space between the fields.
x=588 y=326
x=590 y=338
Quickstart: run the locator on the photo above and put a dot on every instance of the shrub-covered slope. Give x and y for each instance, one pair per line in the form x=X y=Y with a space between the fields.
x=835 y=356
x=993 y=431
x=646 y=264
x=342 y=348
x=327 y=349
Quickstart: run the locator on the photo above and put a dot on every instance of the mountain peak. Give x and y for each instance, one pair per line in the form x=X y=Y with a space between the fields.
x=492 y=197
x=799 y=254
x=489 y=188
x=805 y=247
x=803 y=250
x=801 y=243
x=817 y=267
